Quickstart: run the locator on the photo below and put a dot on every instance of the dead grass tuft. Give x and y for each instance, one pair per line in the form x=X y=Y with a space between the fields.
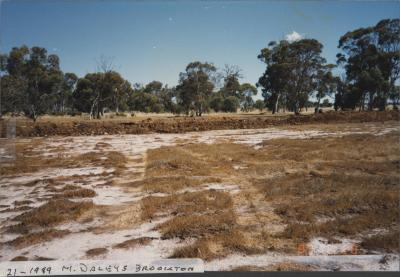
x=218 y=245
x=132 y=243
x=19 y=259
x=197 y=225
x=172 y=184
x=39 y=237
x=187 y=203
x=22 y=202
x=290 y=266
x=96 y=252
x=389 y=242
x=50 y=214
x=78 y=193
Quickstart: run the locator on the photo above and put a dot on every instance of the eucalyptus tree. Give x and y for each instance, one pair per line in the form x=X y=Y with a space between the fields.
x=326 y=84
x=31 y=81
x=371 y=58
x=99 y=91
x=247 y=91
x=195 y=87
x=274 y=80
x=291 y=73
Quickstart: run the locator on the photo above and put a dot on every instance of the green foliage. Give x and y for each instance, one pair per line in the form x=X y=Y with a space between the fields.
x=259 y=104
x=217 y=102
x=371 y=58
x=292 y=71
x=32 y=82
x=231 y=104
x=195 y=87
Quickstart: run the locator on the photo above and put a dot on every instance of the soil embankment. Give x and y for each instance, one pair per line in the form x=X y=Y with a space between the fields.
x=26 y=128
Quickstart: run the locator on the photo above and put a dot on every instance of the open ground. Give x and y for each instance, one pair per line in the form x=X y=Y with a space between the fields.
x=292 y=197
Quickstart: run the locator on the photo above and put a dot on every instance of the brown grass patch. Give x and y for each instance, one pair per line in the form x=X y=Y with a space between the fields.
x=19 y=259
x=78 y=193
x=350 y=181
x=389 y=242
x=102 y=145
x=199 y=249
x=172 y=184
x=290 y=266
x=343 y=186
x=187 y=203
x=132 y=243
x=27 y=161
x=50 y=214
x=35 y=238
x=174 y=161
x=16 y=209
x=96 y=252
x=217 y=246
x=197 y=225
x=22 y=202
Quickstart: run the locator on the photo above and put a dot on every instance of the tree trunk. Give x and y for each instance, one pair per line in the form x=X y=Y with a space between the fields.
x=383 y=103
x=276 y=105
x=296 y=108
x=318 y=104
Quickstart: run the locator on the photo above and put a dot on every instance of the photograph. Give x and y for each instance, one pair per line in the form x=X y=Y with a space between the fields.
x=199 y=136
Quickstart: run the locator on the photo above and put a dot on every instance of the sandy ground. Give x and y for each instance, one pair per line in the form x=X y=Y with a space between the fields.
x=85 y=235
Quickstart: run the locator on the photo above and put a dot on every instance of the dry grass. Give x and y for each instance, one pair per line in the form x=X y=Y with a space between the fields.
x=197 y=225
x=132 y=243
x=284 y=266
x=38 y=237
x=23 y=258
x=389 y=242
x=52 y=213
x=27 y=161
x=96 y=252
x=172 y=184
x=349 y=182
x=218 y=245
x=187 y=203
x=330 y=187
x=19 y=259
x=22 y=202
x=175 y=161
x=78 y=193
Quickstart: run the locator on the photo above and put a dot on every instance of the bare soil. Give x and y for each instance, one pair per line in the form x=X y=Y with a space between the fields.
x=55 y=126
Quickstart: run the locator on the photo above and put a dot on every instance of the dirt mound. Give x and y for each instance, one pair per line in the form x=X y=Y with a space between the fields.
x=25 y=128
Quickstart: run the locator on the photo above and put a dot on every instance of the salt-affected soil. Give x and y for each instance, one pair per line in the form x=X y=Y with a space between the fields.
x=81 y=239
x=321 y=262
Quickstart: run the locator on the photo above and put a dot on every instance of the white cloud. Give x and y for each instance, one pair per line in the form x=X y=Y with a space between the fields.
x=294 y=36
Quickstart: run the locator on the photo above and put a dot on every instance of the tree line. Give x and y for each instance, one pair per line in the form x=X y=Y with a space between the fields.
x=33 y=84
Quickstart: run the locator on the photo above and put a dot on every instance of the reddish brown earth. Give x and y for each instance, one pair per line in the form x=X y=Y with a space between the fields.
x=180 y=124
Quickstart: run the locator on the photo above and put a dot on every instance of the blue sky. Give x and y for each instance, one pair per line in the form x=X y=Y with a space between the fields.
x=155 y=40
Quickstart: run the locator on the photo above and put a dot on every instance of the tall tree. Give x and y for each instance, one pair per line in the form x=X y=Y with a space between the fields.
x=195 y=87
x=326 y=84
x=371 y=58
x=274 y=80
x=99 y=91
x=247 y=91
x=33 y=78
x=292 y=71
